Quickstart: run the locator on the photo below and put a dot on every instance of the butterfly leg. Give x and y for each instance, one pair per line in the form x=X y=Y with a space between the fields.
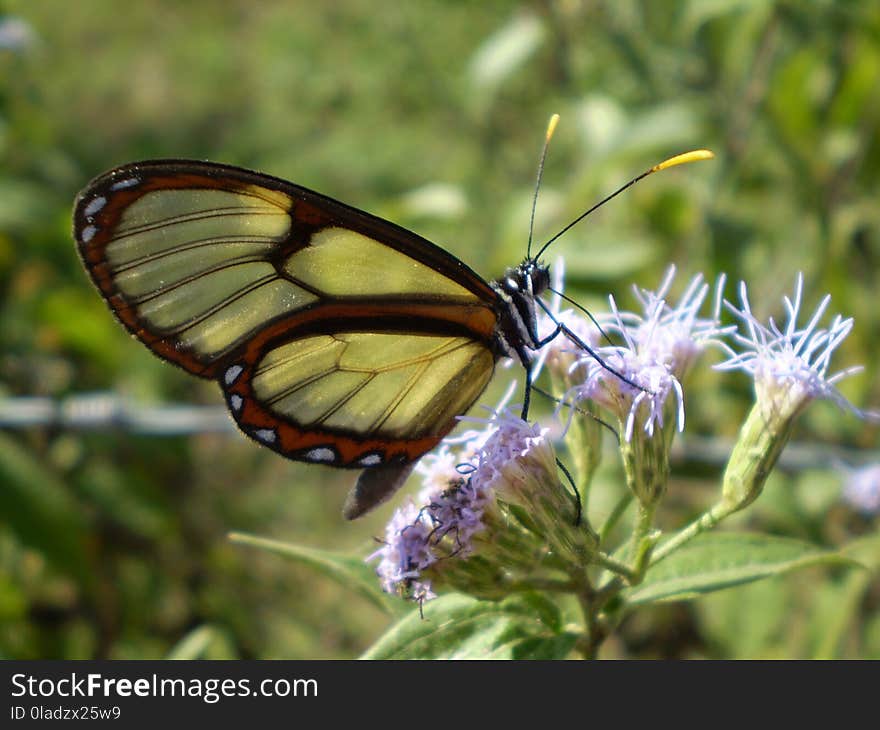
x=578 y=504
x=581 y=411
x=526 y=360
x=563 y=329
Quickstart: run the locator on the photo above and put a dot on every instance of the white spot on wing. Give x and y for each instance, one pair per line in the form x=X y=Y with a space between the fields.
x=266 y=435
x=95 y=205
x=321 y=454
x=88 y=233
x=235 y=402
x=370 y=460
x=232 y=374
x=129 y=182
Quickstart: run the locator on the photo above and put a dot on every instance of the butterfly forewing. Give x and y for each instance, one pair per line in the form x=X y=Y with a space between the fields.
x=338 y=337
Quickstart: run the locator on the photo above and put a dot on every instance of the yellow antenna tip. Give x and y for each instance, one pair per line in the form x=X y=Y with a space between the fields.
x=551 y=126
x=692 y=156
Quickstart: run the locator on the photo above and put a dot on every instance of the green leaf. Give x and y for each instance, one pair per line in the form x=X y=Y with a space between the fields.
x=42 y=512
x=865 y=550
x=459 y=627
x=350 y=571
x=203 y=642
x=506 y=50
x=546 y=647
x=719 y=560
x=749 y=621
x=603 y=256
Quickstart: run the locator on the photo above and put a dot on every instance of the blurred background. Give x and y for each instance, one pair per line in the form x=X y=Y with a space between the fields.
x=113 y=541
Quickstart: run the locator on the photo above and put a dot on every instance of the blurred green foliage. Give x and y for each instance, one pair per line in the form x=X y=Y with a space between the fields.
x=431 y=114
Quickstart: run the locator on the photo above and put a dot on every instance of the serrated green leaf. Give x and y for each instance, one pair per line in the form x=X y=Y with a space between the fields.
x=350 y=571
x=719 y=560
x=459 y=627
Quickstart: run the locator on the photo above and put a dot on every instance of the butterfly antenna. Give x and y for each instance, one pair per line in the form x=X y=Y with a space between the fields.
x=692 y=156
x=551 y=128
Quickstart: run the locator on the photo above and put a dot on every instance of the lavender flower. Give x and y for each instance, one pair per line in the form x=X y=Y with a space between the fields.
x=790 y=369
x=660 y=345
x=442 y=526
x=514 y=453
x=790 y=366
x=862 y=489
x=459 y=535
x=676 y=335
x=16 y=34
x=405 y=553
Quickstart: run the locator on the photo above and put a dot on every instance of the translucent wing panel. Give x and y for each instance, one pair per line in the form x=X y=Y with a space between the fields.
x=163 y=220
x=241 y=314
x=151 y=273
x=385 y=385
x=193 y=264
x=341 y=262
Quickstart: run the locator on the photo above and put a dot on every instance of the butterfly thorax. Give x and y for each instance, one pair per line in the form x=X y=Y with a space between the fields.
x=517 y=330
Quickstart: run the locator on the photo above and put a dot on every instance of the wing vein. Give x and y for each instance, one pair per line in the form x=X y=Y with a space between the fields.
x=240 y=261
x=122 y=232
x=191 y=246
x=192 y=322
x=383 y=417
x=345 y=398
x=300 y=384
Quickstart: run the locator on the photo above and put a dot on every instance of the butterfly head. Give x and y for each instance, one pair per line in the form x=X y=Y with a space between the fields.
x=531 y=277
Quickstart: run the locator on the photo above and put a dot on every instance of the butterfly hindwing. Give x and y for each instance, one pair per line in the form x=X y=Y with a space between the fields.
x=336 y=336
x=356 y=398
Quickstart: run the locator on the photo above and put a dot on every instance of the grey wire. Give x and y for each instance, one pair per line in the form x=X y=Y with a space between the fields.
x=111 y=412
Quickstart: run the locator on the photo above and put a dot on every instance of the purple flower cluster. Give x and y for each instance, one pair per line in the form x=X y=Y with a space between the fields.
x=639 y=380
x=636 y=379
x=862 y=489
x=790 y=365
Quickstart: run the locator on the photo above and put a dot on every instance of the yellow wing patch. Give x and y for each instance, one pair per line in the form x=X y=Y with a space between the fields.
x=342 y=262
x=163 y=220
x=388 y=385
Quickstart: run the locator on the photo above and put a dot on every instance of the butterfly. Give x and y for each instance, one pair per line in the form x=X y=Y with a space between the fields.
x=337 y=337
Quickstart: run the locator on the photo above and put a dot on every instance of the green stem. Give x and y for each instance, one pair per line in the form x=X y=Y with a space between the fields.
x=589 y=642
x=644 y=520
x=616 y=513
x=704 y=522
x=544 y=584
x=642 y=543
x=600 y=624
x=844 y=616
x=615 y=566
x=643 y=557
x=608 y=591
